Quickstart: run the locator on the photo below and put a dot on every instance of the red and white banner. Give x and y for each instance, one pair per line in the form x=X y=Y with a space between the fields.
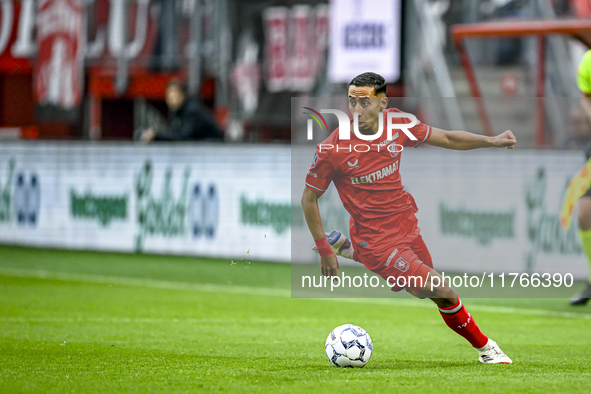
x=58 y=74
x=18 y=44
x=295 y=46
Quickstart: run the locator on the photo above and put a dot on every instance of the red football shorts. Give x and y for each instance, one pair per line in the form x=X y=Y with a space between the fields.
x=402 y=265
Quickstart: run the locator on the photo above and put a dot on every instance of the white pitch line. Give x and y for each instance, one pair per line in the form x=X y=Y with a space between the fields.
x=247 y=290
x=479 y=308
x=142 y=282
x=137 y=320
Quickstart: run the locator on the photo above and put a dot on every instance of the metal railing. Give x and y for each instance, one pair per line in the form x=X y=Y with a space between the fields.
x=425 y=66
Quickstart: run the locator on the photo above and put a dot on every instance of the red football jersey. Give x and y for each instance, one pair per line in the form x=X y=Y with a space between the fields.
x=368 y=183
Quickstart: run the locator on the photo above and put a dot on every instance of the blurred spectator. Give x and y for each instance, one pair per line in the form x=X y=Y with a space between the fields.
x=188 y=119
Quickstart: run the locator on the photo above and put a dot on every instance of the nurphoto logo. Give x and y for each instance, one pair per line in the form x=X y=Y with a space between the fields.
x=345 y=129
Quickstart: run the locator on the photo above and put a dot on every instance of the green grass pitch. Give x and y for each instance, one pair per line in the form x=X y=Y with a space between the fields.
x=82 y=322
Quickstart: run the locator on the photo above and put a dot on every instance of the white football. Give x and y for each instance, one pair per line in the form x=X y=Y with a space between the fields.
x=348 y=346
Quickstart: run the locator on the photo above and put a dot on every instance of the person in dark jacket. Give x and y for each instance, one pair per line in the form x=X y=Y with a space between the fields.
x=188 y=119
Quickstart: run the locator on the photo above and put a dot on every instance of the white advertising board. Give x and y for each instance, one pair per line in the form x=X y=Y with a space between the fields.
x=365 y=35
x=205 y=200
x=487 y=210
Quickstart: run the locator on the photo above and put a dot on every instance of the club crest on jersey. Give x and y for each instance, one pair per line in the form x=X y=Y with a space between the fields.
x=394 y=153
x=401 y=264
x=354 y=164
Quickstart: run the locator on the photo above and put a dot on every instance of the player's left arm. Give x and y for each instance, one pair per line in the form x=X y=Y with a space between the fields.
x=463 y=140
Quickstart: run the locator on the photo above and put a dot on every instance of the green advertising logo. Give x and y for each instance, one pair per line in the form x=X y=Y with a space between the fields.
x=104 y=208
x=543 y=228
x=164 y=215
x=482 y=225
x=6 y=193
x=264 y=213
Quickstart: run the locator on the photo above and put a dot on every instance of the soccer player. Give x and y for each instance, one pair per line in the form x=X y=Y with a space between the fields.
x=584 y=215
x=383 y=228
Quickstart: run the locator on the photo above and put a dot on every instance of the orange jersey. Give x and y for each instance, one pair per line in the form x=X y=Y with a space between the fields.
x=368 y=182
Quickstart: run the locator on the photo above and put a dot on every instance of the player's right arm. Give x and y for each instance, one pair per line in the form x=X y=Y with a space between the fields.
x=318 y=179
x=328 y=264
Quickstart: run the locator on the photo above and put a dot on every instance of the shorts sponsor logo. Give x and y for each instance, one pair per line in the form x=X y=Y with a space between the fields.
x=402 y=264
x=391 y=257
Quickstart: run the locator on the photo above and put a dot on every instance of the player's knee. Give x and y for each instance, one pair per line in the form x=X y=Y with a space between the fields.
x=416 y=292
x=444 y=292
x=436 y=287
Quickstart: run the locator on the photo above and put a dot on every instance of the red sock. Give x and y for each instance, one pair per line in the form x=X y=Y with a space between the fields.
x=458 y=319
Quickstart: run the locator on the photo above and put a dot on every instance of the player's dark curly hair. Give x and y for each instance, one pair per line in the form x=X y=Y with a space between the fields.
x=370 y=79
